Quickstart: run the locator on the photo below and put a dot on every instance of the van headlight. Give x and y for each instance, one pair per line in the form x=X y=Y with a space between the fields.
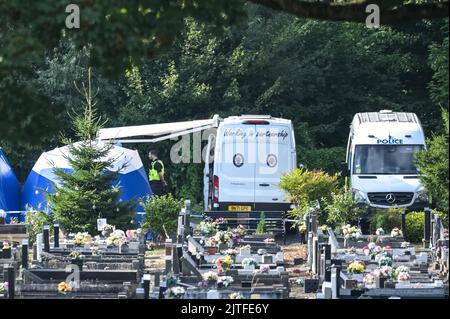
x=359 y=196
x=422 y=196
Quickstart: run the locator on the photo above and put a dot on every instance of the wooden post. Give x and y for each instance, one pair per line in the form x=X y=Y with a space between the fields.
x=426 y=230
x=56 y=235
x=25 y=254
x=46 y=234
x=146 y=278
x=10 y=277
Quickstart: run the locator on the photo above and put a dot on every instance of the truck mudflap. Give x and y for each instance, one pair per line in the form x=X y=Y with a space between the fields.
x=275 y=220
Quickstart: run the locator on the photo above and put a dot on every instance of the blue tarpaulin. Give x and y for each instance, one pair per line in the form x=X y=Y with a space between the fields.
x=9 y=186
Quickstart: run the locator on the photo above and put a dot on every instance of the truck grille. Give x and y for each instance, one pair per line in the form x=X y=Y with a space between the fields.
x=390 y=199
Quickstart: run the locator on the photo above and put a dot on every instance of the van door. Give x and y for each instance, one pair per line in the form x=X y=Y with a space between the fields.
x=237 y=167
x=275 y=149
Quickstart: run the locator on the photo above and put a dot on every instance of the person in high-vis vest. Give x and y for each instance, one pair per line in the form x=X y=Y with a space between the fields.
x=156 y=173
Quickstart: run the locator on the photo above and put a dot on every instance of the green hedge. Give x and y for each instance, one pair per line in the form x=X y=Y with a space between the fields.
x=415 y=222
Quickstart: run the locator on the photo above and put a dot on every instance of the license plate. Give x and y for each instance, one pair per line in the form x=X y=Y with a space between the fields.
x=239 y=208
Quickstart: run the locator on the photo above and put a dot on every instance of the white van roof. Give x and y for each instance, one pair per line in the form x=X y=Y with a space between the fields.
x=371 y=127
x=246 y=117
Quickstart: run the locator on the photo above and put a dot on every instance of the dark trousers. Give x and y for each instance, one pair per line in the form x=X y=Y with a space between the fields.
x=157 y=188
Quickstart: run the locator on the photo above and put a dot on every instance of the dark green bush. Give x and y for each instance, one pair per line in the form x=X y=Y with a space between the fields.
x=414 y=226
x=162 y=215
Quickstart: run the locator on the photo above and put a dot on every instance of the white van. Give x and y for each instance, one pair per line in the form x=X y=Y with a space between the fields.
x=251 y=153
x=380 y=159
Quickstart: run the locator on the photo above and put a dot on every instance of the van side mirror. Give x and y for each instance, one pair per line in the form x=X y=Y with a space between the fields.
x=345 y=172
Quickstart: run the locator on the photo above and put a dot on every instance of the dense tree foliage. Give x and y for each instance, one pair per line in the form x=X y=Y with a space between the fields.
x=317 y=73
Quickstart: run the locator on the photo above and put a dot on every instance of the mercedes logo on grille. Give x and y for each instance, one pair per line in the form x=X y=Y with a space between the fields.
x=390 y=198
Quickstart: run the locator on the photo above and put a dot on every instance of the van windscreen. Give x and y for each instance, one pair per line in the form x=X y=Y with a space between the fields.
x=385 y=159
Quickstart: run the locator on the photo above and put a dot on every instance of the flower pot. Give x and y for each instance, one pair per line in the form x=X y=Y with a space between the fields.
x=212 y=250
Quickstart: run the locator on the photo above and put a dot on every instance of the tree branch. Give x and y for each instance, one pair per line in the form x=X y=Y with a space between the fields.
x=356 y=11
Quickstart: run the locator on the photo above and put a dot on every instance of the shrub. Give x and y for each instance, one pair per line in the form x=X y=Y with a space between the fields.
x=386 y=219
x=342 y=208
x=304 y=187
x=444 y=218
x=327 y=159
x=35 y=222
x=415 y=222
x=161 y=215
x=433 y=165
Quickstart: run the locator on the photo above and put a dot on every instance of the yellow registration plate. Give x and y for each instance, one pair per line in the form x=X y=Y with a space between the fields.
x=238 y=208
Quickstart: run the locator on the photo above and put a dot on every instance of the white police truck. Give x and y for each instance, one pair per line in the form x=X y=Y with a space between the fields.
x=380 y=160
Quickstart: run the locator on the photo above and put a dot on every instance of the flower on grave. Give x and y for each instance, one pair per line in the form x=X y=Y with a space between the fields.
x=231 y=252
x=224 y=263
x=300 y=282
x=236 y=295
x=379 y=231
x=76 y=255
x=396 y=232
x=249 y=261
x=356 y=267
x=235 y=237
x=209 y=276
x=302 y=228
x=372 y=245
x=383 y=272
x=352 y=250
x=323 y=228
x=269 y=240
x=223 y=237
x=6 y=245
x=3 y=287
x=131 y=234
x=400 y=270
x=403 y=276
x=220 y=220
x=264 y=269
x=225 y=280
x=369 y=279
x=116 y=238
x=241 y=230
x=351 y=232
x=107 y=230
x=404 y=244
x=14 y=220
x=387 y=248
x=171 y=279
x=95 y=250
x=207 y=226
x=64 y=287
x=211 y=242
x=384 y=260
x=175 y=292
x=82 y=239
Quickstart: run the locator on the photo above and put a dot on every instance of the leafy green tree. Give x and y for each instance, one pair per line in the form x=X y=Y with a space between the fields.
x=434 y=168
x=161 y=215
x=88 y=193
x=342 y=208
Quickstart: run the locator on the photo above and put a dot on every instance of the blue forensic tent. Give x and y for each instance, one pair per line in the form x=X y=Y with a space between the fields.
x=132 y=178
x=9 y=186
